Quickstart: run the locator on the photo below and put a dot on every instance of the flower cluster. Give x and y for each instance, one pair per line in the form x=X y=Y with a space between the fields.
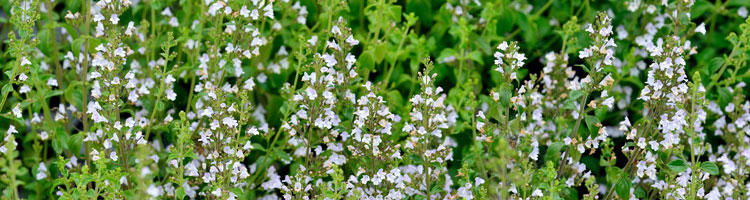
x=289 y=99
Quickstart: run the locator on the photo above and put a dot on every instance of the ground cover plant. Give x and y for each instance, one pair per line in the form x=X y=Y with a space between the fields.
x=374 y=99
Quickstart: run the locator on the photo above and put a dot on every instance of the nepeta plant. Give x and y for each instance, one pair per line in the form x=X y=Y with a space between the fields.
x=377 y=99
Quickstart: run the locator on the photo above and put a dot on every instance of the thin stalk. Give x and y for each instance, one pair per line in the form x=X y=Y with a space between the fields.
x=87 y=8
x=58 y=68
x=158 y=100
x=581 y=115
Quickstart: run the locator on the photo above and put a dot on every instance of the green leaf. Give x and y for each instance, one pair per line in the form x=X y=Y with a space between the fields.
x=570 y=194
x=640 y=193
x=7 y=88
x=380 y=51
x=71 y=30
x=57 y=146
x=52 y=94
x=366 y=61
x=553 y=151
x=423 y=9
x=436 y=188
x=9 y=73
x=505 y=93
x=613 y=173
x=591 y=122
x=477 y=57
x=43 y=36
x=395 y=13
x=710 y=167
x=283 y=156
x=677 y=166
x=76 y=46
x=160 y=106
x=575 y=94
x=569 y=105
x=715 y=64
x=521 y=73
x=61 y=138
x=257 y=146
x=180 y=193
x=447 y=52
x=623 y=188
x=75 y=142
x=724 y=96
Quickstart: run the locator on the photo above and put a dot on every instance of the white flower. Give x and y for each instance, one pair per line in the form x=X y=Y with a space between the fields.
x=191 y=170
x=609 y=102
x=352 y=41
x=253 y=131
x=585 y=53
x=701 y=28
x=254 y=14
x=244 y=11
x=416 y=99
x=713 y=195
x=642 y=143
x=43 y=135
x=154 y=191
x=465 y=192
x=166 y=12
x=114 y=19
x=123 y=180
x=17 y=111
x=313 y=40
x=42 y=174
x=94 y=155
x=330 y=60
x=534 y=155
x=207 y=112
x=190 y=191
x=22 y=77
x=537 y=193
x=742 y=12
x=52 y=82
x=268 y=10
x=98 y=17
x=128 y=31
x=113 y=156
x=171 y=95
x=335 y=30
x=24 y=89
x=478 y=181
x=25 y=61
x=217 y=192
x=229 y=121
x=503 y=46
x=311 y=93
x=729 y=108
x=249 y=84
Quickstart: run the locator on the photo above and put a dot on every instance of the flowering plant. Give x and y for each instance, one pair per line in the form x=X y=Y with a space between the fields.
x=377 y=99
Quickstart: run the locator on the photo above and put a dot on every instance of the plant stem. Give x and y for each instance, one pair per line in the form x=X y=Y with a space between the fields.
x=84 y=73
x=158 y=100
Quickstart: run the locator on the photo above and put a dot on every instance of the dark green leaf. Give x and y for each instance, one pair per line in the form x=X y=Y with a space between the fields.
x=623 y=188
x=710 y=167
x=677 y=166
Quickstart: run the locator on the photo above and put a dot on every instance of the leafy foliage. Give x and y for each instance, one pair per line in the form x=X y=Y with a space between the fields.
x=376 y=99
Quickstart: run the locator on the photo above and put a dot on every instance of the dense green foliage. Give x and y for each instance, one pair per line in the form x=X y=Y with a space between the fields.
x=375 y=99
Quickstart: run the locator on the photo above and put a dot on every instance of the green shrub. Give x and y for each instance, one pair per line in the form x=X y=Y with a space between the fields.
x=376 y=99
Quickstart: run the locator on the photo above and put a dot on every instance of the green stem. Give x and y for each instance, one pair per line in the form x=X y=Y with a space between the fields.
x=395 y=60
x=158 y=100
x=581 y=115
x=84 y=74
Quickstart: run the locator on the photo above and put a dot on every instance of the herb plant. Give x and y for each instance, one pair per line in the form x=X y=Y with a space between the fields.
x=374 y=99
